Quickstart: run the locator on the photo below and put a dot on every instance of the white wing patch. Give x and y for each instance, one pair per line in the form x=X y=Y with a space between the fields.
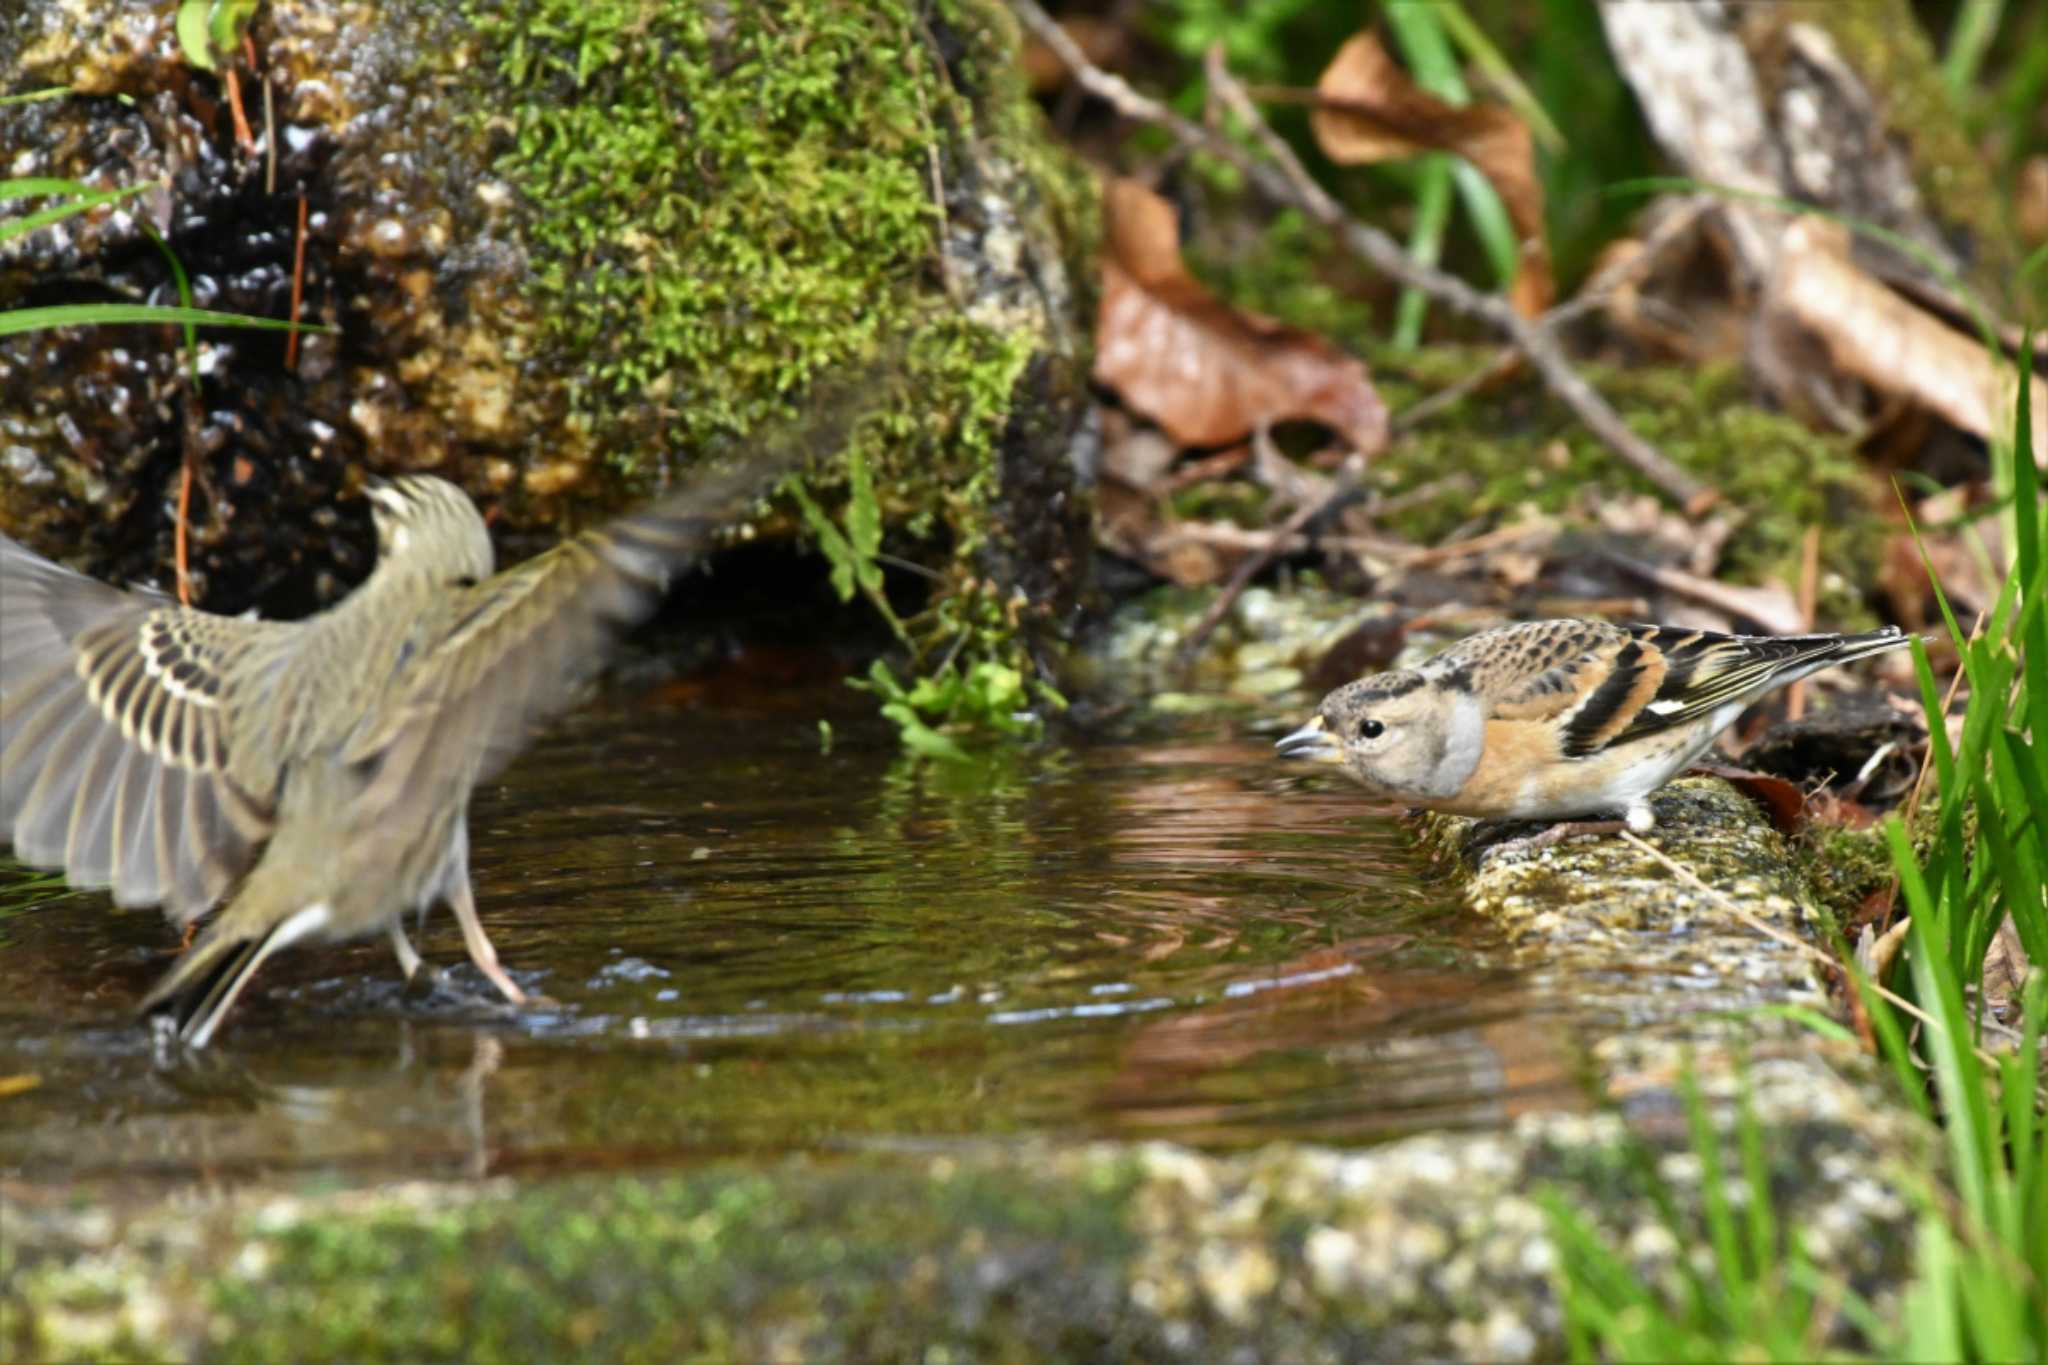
x=152 y=660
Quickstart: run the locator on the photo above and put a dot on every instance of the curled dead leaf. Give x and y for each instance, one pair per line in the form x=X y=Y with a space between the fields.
x=2006 y=966
x=1369 y=110
x=1783 y=801
x=1873 y=335
x=1876 y=953
x=1208 y=373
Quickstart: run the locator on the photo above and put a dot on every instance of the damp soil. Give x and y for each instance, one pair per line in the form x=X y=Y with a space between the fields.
x=752 y=944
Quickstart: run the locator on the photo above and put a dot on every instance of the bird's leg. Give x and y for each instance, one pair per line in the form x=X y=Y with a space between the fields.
x=479 y=944
x=408 y=957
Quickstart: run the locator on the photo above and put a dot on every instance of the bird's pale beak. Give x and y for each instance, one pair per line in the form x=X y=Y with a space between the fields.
x=1312 y=741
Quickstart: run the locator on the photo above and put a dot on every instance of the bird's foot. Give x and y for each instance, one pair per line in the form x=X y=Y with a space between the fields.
x=424 y=981
x=1569 y=829
x=1494 y=836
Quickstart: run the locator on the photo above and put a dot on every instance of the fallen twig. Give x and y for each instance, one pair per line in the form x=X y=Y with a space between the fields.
x=291 y=338
x=1284 y=180
x=1479 y=544
x=1761 y=605
x=178 y=535
x=1340 y=487
x=1594 y=294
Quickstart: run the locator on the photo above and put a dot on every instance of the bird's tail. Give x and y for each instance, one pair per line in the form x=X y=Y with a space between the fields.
x=197 y=992
x=1797 y=656
x=1853 y=647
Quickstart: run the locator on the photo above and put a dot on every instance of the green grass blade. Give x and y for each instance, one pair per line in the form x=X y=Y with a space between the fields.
x=1472 y=40
x=1933 y=1315
x=1715 y=1204
x=1756 y=1174
x=118 y=314
x=1969 y=37
x=1490 y=221
x=41 y=186
x=1937 y=726
x=1432 y=215
x=57 y=213
x=1965 y=1108
x=1825 y=1025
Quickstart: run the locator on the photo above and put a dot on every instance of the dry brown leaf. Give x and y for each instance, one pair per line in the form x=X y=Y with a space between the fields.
x=1881 y=339
x=2005 y=971
x=1783 y=801
x=1206 y=372
x=1838 y=812
x=2030 y=200
x=1370 y=111
x=1875 y=953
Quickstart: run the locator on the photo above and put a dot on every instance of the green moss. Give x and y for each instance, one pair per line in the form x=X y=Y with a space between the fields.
x=1524 y=451
x=1293 y=270
x=1842 y=867
x=726 y=202
x=718 y=1264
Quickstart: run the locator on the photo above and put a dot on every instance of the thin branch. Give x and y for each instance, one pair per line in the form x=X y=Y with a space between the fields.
x=1593 y=295
x=291 y=339
x=1284 y=181
x=1345 y=484
x=182 y=560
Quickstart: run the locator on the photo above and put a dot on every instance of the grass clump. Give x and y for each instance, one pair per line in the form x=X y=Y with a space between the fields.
x=1980 y=1290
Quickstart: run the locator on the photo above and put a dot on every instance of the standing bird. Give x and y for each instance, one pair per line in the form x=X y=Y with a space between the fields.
x=1554 y=719
x=318 y=770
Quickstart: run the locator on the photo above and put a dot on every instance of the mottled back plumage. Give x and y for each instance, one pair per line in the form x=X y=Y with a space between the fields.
x=1557 y=718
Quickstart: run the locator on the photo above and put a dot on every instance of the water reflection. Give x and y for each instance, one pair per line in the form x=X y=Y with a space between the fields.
x=750 y=945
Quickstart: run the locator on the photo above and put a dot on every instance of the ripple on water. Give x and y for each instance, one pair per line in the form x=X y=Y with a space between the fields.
x=750 y=945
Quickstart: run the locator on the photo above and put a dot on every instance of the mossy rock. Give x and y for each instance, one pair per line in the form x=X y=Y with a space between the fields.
x=1433 y=1247
x=572 y=252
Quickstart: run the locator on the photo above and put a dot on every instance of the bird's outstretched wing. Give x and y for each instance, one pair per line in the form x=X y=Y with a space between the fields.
x=115 y=761
x=510 y=652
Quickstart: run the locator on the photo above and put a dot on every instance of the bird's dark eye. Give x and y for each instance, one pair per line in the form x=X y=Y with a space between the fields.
x=1370 y=729
x=466 y=581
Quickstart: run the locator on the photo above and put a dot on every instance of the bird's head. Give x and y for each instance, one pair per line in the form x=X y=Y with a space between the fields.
x=1402 y=735
x=429 y=526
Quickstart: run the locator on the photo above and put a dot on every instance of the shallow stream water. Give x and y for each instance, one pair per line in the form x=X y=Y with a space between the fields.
x=751 y=944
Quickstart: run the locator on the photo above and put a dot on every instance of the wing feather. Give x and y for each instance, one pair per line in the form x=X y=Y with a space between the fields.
x=519 y=648
x=103 y=694
x=1705 y=671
